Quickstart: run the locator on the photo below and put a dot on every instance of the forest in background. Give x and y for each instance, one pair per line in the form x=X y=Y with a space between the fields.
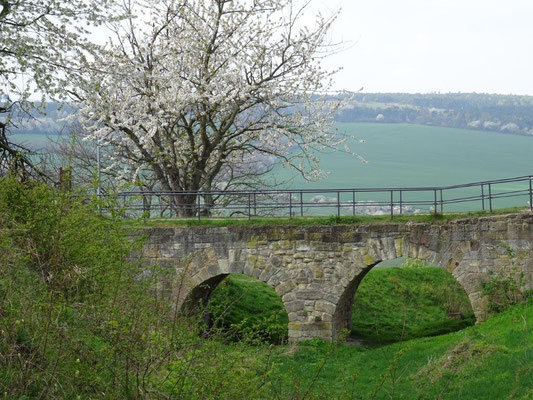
x=507 y=114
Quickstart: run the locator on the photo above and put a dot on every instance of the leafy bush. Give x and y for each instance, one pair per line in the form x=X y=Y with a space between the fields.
x=79 y=321
x=504 y=289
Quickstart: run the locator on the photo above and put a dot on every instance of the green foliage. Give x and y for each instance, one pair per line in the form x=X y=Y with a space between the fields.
x=78 y=321
x=413 y=301
x=462 y=110
x=504 y=289
x=249 y=310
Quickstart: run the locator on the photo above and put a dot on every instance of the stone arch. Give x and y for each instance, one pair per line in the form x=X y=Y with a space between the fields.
x=205 y=270
x=448 y=257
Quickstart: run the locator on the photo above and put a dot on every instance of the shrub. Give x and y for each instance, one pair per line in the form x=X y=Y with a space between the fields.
x=504 y=289
x=79 y=321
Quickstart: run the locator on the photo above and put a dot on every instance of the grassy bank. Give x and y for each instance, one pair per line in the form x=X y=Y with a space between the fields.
x=409 y=302
x=492 y=360
x=248 y=309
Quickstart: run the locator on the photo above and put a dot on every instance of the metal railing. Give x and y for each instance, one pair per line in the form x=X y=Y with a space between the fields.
x=484 y=195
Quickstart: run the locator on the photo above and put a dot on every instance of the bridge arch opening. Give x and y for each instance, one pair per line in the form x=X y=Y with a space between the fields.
x=401 y=299
x=239 y=307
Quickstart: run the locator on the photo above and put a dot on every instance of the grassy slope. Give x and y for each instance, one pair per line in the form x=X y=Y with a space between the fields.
x=241 y=304
x=492 y=360
x=390 y=305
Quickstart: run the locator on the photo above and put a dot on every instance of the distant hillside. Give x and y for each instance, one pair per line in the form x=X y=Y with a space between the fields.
x=491 y=112
x=46 y=120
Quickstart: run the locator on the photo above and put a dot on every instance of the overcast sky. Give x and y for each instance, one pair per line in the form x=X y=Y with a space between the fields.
x=483 y=46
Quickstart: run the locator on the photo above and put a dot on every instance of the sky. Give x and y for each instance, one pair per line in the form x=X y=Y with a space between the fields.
x=422 y=46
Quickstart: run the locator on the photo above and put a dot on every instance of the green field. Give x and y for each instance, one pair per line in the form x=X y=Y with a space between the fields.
x=34 y=141
x=409 y=155
x=404 y=155
x=416 y=155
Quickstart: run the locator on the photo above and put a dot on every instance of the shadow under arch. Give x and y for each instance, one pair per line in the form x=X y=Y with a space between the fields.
x=198 y=298
x=343 y=316
x=263 y=311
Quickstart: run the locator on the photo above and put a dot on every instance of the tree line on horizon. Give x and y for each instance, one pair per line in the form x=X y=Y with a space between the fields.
x=510 y=114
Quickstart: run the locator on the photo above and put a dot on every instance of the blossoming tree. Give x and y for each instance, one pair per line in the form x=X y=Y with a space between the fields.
x=206 y=93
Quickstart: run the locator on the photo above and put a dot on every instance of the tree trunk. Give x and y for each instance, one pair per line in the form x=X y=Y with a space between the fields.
x=185 y=206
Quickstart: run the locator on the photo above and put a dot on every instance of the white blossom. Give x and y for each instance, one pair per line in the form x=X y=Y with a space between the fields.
x=201 y=90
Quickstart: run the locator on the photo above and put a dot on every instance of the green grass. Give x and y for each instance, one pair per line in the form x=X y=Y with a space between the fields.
x=331 y=220
x=408 y=155
x=492 y=360
x=249 y=309
x=390 y=305
x=404 y=303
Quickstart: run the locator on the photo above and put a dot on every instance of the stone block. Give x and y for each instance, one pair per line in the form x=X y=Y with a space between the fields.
x=294 y=306
x=285 y=287
x=325 y=306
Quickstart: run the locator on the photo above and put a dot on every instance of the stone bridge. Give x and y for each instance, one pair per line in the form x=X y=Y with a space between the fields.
x=316 y=269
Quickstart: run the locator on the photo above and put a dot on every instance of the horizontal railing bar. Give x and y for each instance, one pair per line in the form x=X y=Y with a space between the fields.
x=360 y=204
x=320 y=191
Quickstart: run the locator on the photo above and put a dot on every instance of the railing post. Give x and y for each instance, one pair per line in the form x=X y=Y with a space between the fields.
x=301 y=204
x=249 y=206
x=198 y=205
x=401 y=205
x=338 y=204
x=290 y=204
x=530 y=196
x=435 y=202
x=391 y=204
x=490 y=198
x=255 y=205
x=353 y=202
x=482 y=197
x=441 y=203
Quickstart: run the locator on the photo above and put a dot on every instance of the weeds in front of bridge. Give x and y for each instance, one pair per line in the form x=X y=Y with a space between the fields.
x=505 y=288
